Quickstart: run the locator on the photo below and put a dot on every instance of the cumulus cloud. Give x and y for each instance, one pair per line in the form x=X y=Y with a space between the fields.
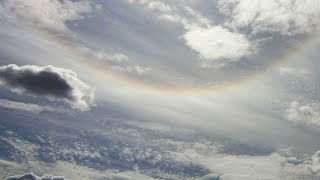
x=303 y=115
x=31 y=176
x=48 y=81
x=283 y=16
x=50 y=14
x=217 y=43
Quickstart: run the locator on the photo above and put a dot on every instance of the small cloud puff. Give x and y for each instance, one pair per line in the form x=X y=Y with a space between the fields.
x=291 y=71
x=217 y=44
x=54 y=83
x=31 y=176
x=303 y=115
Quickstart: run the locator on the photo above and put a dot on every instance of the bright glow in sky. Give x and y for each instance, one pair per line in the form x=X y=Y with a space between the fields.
x=159 y=89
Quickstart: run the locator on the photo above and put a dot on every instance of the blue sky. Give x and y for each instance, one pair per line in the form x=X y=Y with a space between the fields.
x=232 y=85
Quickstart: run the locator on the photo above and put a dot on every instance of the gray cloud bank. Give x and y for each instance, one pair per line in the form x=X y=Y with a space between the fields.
x=31 y=176
x=54 y=83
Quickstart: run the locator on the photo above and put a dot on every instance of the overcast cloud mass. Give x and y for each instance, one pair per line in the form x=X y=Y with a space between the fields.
x=159 y=89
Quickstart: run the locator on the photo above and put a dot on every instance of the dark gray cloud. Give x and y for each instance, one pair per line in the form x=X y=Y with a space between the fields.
x=31 y=176
x=48 y=81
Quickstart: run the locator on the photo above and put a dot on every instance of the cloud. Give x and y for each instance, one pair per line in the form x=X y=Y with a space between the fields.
x=24 y=106
x=283 y=16
x=153 y=5
x=217 y=44
x=117 y=62
x=31 y=176
x=211 y=177
x=175 y=12
x=160 y=6
x=48 y=81
x=275 y=166
x=303 y=115
x=291 y=71
x=50 y=14
x=314 y=167
x=68 y=170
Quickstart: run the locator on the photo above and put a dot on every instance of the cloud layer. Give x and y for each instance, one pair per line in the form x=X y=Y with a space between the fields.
x=24 y=106
x=283 y=16
x=31 y=176
x=50 y=14
x=47 y=81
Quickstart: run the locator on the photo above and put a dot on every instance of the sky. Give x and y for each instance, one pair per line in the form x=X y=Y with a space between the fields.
x=159 y=89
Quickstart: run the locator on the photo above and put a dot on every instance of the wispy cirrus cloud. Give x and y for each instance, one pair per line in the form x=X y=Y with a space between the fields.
x=24 y=106
x=115 y=62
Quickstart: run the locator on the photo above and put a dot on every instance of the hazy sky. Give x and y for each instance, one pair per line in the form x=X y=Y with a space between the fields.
x=243 y=70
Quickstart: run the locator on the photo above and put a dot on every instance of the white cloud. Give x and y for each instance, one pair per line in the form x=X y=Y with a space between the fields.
x=303 y=115
x=48 y=81
x=160 y=6
x=291 y=71
x=217 y=44
x=314 y=166
x=50 y=14
x=244 y=167
x=284 y=16
x=154 y=5
x=175 y=12
x=31 y=176
x=115 y=62
x=198 y=18
x=24 y=106
x=69 y=170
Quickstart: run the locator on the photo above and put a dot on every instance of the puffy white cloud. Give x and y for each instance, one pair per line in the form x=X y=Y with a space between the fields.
x=217 y=43
x=303 y=115
x=50 y=14
x=31 y=176
x=48 y=81
x=284 y=16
